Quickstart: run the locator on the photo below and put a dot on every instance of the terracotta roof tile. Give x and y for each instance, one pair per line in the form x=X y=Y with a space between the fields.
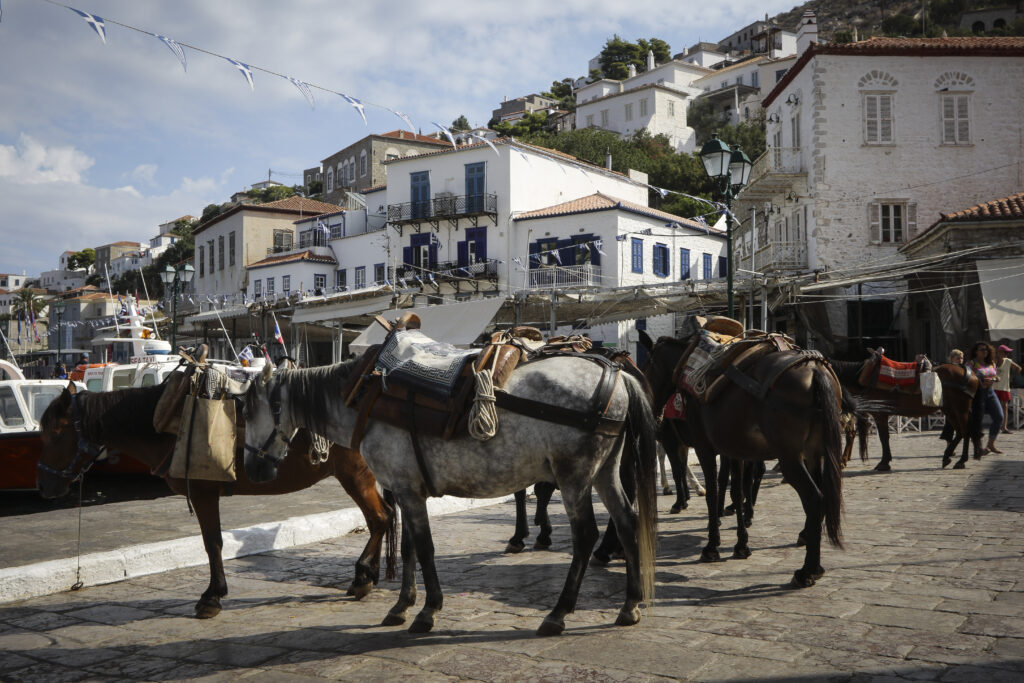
x=1003 y=209
x=375 y=188
x=300 y=204
x=405 y=135
x=289 y=258
x=603 y=202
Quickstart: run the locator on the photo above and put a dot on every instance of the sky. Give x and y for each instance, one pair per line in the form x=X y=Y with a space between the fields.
x=104 y=142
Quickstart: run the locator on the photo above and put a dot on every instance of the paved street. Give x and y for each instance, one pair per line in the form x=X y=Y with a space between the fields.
x=929 y=587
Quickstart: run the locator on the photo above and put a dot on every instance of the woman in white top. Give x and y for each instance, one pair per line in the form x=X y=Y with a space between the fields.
x=1005 y=367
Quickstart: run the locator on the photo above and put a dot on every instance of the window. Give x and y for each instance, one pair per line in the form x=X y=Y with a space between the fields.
x=794 y=125
x=755 y=79
x=604 y=118
x=725 y=84
x=231 y=248
x=892 y=222
x=590 y=120
x=211 y=250
x=319 y=282
x=878 y=119
x=739 y=80
x=707 y=266
x=638 y=255
x=779 y=73
x=956 y=123
x=286 y=284
x=723 y=266
x=220 y=253
x=661 y=260
x=684 y=264
x=643 y=107
x=360 y=277
x=362 y=163
x=202 y=261
x=270 y=286
x=257 y=288
x=378 y=273
x=330 y=180
x=629 y=111
x=671 y=109
x=340 y=279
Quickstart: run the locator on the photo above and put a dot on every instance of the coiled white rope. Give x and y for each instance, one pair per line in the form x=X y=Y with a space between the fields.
x=483 y=414
x=320 y=449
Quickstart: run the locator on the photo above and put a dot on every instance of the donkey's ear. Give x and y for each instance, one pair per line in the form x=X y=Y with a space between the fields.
x=71 y=389
x=268 y=370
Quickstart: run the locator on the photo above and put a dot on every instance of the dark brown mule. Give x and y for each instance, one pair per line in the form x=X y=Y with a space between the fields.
x=797 y=422
x=122 y=422
x=958 y=389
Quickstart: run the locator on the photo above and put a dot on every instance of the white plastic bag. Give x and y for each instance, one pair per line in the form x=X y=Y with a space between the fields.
x=931 y=390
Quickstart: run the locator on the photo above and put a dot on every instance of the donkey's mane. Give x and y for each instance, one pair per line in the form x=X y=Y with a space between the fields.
x=125 y=412
x=310 y=391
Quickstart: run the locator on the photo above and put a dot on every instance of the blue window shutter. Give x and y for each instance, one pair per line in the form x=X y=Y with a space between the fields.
x=407 y=255
x=707 y=266
x=481 y=244
x=433 y=255
x=661 y=258
x=684 y=264
x=638 y=255
x=463 y=253
x=723 y=266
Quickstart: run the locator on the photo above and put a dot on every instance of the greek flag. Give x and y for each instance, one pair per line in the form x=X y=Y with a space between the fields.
x=597 y=245
x=447 y=133
x=491 y=144
x=94 y=21
x=357 y=104
x=246 y=354
x=174 y=47
x=404 y=118
x=245 y=70
x=304 y=89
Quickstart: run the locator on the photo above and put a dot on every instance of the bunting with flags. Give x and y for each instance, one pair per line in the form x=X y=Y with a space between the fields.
x=304 y=89
x=245 y=70
x=357 y=105
x=404 y=118
x=94 y=21
x=447 y=133
x=174 y=47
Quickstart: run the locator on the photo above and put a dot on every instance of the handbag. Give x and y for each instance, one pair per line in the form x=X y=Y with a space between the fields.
x=205 y=448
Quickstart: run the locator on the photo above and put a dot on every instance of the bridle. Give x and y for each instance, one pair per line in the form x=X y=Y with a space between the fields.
x=275 y=409
x=86 y=454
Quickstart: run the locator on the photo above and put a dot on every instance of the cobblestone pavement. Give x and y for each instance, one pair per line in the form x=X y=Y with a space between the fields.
x=929 y=587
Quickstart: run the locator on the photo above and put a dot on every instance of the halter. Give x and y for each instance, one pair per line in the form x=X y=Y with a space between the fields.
x=85 y=456
x=275 y=409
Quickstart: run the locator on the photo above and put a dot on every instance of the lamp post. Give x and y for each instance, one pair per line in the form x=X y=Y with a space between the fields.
x=174 y=279
x=58 y=307
x=729 y=168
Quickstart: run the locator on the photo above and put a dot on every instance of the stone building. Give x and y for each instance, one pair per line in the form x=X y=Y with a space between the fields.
x=358 y=166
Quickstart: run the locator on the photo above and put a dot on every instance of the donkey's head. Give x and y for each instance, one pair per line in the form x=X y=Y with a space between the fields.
x=267 y=429
x=65 y=454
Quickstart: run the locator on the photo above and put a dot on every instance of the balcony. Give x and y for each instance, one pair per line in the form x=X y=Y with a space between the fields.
x=451 y=272
x=586 y=275
x=445 y=208
x=780 y=256
x=775 y=171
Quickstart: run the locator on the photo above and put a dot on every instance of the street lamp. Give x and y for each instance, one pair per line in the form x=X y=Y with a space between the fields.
x=176 y=278
x=729 y=168
x=58 y=308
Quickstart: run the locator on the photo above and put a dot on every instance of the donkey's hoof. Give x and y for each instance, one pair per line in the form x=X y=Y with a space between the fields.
x=394 y=619
x=945 y=461
x=677 y=508
x=360 y=591
x=741 y=552
x=818 y=573
x=600 y=557
x=515 y=547
x=666 y=491
x=628 y=616
x=422 y=623
x=960 y=464
x=883 y=467
x=710 y=555
x=207 y=609
x=542 y=544
x=801 y=540
x=551 y=627
x=748 y=522
x=701 y=491
x=802 y=579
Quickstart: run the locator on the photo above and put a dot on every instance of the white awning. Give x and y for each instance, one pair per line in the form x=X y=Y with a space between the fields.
x=234 y=311
x=1002 y=289
x=343 y=309
x=457 y=324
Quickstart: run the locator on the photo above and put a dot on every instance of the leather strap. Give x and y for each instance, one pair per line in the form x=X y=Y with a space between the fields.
x=417 y=448
x=589 y=420
x=369 y=399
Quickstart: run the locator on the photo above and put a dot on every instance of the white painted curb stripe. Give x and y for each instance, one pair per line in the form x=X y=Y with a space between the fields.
x=56 y=576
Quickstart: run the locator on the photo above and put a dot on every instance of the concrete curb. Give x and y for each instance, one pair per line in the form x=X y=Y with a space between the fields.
x=56 y=576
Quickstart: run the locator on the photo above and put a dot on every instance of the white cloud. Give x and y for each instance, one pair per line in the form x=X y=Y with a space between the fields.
x=145 y=173
x=29 y=161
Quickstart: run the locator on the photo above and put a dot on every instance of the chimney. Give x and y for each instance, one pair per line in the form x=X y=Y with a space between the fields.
x=807 y=33
x=650 y=59
x=608 y=159
x=631 y=71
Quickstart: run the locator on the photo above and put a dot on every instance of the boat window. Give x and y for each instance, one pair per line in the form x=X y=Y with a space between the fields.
x=94 y=384
x=148 y=379
x=122 y=379
x=38 y=396
x=10 y=412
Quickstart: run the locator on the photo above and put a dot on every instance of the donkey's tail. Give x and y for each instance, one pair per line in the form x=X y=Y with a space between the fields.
x=391 y=537
x=832 y=465
x=641 y=432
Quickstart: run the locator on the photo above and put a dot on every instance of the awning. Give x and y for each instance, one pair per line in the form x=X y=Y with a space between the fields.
x=236 y=311
x=458 y=324
x=1002 y=289
x=344 y=309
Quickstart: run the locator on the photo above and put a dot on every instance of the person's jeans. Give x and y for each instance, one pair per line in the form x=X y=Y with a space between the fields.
x=995 y=412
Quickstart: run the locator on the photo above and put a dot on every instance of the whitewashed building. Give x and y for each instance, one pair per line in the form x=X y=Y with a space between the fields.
x=868 y=140
x=62 y=279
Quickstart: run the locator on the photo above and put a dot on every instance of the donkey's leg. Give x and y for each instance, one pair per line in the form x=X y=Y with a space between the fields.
x=752 y=486
x=947 y=454
x=360 y=484
x=706 y=457
x=515 y=544
x=882 y=422
x=407 y=595
x=580 y=509
x=624 y=520
x=741 y=550
x=610 y=544
x=543 y=490
x=666 y=490
x=812 y=500
x=724 y=471
x=206 y=503
x=673 y=446
x=414 y=514
x=691 y=478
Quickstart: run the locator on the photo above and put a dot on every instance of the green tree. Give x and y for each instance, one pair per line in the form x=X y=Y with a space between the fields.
x=705 y=119
x=271 y=194
x=662 y=50
x=532 y=122
x=82 y=259
x=901 y=25
x=842 y=37
x=617 y=55
x=461 y=123
x=25 y=301
x=211 y=211
x=563 y=92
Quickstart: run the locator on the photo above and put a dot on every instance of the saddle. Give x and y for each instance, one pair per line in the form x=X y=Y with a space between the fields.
x=879 y=372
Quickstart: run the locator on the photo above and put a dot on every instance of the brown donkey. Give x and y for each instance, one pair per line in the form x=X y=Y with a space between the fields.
x=77 y=426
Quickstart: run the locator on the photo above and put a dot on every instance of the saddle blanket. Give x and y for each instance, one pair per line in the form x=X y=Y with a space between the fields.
x=699 y=362
x=675 y=407
x=897 y=374
x=415 y=361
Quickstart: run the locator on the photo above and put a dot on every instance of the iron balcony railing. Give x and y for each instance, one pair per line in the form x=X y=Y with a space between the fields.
x=776 y=256
x=777 y=160
x=486 y=268
x=585 y=275
x=444 y=206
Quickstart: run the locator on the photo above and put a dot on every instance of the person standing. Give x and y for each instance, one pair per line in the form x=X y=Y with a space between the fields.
x=983 y=362
x=956 y=357
x=1004 y=367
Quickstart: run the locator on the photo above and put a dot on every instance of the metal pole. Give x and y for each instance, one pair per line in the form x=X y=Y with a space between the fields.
x=59 y=315
x=728 y=246
x=753 y=254
x=174 y=317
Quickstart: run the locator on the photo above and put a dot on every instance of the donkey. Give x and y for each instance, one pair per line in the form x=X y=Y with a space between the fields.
x=525 y=450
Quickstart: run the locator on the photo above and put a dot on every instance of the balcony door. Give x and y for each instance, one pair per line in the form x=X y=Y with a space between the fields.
x=475 y=187
x=420 y=194
x=474 y=248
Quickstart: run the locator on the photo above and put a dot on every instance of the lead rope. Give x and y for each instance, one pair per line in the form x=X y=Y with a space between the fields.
x=483 y=414
x=78 y=570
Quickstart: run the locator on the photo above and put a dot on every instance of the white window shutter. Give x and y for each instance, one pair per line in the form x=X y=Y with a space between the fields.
x=885 y=118
x=871 y=119
x=963 y=121
x=948 y=120
x=911 y=220
x=875 y=221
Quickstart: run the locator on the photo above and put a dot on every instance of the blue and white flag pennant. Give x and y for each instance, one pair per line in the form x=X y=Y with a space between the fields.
x=357 y=104
x=176 y=48
x=245 y=70
x=304 y=89
x=447 y=133
x=404 y=118
x=94 y=21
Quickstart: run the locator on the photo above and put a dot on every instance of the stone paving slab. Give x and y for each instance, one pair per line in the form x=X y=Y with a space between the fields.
x=929 y=587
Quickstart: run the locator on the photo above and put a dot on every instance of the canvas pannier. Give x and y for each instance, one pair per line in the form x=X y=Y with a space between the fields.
x=205 y=448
